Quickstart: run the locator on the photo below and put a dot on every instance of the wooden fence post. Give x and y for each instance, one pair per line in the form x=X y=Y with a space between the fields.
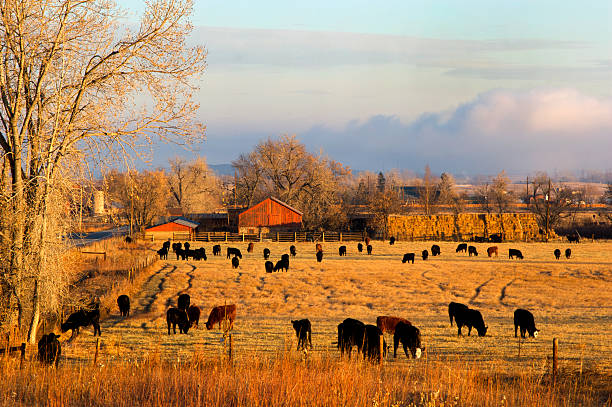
x=226 y=236
x=295 y=236
x=97 y=349
x=323 y=237
x=231 y=347
x=243 y=237
x=381 y=348
x=340 y=236
x=555 y=365
x=277 y=237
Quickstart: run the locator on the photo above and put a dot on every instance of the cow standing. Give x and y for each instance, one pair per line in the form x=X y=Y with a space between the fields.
x=568 y=253
x=512 y=253
x=359 y=247
x=462 y=247
x=303 y=331
x=83 y=318
x=292 y=251
x=342 y=251
x=177 y=316
x=435 y=250
x=472 y=251
x=523 y=319
x=49 y=349
x=221 y=313
x=408 y=257
x=388 y=323
x=193 y=314
x=217 y=250
x=350 y=333
x=557 y=254
x=123 y=301
x=424 y=254
x=492 y=250
x=235 y=262
x=269 y=266
x=410 y=337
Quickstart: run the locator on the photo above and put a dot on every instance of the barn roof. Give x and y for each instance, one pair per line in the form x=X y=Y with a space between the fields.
x=178 y=220
x=278 y=201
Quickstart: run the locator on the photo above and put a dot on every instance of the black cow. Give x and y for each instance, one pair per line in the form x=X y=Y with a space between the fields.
x=472 y=319
x=410 y=337
x=524 y=320
x=392 y=240
x=453 y=308
x=425 y=254
x=495 y=238
x=128 y=239
x=360 y=247
x=435 y=250
x=176 y=316
x=235 y=262
x=163 y=253
x=179 y=253
x=250 y=247
x=186 y=245
x=303 y=332
x=575 y=237
x=176 y=246
x=371 y=348
x=557 y=253
x=83 y=318
x=568 y=253
x=49 y=349
x=200 y=254
x=462 y=247
x=217 y=250
x=123 y=301
x=472 y=250
x=350 y=333
x=320 y=256
x=408 y=257
x=369 y=248
x=342 y=251
x=193 y=314
x=266 y=253
x=512 y=253
x=166 y=245
x=282 y=264
x=183 y=301
x=293 y=251
x=269 y=266
x=232 y=251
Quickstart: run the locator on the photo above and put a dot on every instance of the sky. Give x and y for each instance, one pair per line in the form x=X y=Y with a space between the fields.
x=468 y=87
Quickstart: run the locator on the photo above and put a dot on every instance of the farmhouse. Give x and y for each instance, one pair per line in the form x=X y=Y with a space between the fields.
x=271 y=214
x=167 y=229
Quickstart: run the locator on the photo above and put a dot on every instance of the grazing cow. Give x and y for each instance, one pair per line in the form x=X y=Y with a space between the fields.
x=250 y=247
x=235 y=262
x=269 y=266
x=492 y=250
x=232 y=251
x=342 y=251
x=574 y=237
x=83 y=318
x=318 y=247
x=495 y=238
x=359 y=247
x=292 y=251
x=371 y=348
x=163 y=253
x=408 y=257
x=367 y=241
x=472 y=319
x=179 y=253
x=128 y=240
x=123 y=301
x=410 y=337
x=176 y=316
x=512 y=253
x=281 y=265
x=186 y=245
x=176 y=246
x=221 y=313
x=193 y=314
x=435 y=250
x=557 y=253
x=183 y=302
x=453 y=308
x=49 y=349
x=472 y=251
x=217 y=250
x=369 y=249
x=166 y=245
x=462 y=247
x=424 y=254
x=303 y=332
x=266 y=253
x=568 y=253
x=388 y=323
x=392 y=240
x=320 y=256
x=200 y=254
x=524 y=320
x=350 y=333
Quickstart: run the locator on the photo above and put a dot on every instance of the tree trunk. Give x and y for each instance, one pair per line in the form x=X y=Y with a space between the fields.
x=32 y=331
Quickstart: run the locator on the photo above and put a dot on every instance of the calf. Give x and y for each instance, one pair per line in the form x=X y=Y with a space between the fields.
x=266 y=253
x=524 y=319
x=250 y=247
x=123 y=301
x=221 y=313
x=369 y=249
x=217 y=250
x=83 y=318
x=193 y=314
x=293 y=251
x=410 y=337
x=392 y=240
x=183 y=301
x=462 y=247
x=372 y=338
x=342 y=251
x=472 y=319
x=388 y=323
x=359 y=247
x=408 y=257
x=320 y=256
x=557 y=253
x=303 y=332
x=232 y=251
x=176 y=316
x=424 y=254
x=492 y=250
x=472 y=251
x=235 y=262
x=512 y=253
x=454 y=308
x=435 y=250
x=163 y=253
x=49 y=349
x=269 y=266
x=568 y=253
x=351 y=332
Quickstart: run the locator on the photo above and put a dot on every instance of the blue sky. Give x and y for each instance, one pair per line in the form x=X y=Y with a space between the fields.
x=387 y=84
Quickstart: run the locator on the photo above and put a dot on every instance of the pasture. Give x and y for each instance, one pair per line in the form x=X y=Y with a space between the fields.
x=571 y=300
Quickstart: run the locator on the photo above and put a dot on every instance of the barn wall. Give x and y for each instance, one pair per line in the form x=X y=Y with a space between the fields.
x=269 y=213
x=514 y=226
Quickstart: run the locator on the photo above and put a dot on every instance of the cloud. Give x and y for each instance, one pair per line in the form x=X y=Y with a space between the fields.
x=500 y=129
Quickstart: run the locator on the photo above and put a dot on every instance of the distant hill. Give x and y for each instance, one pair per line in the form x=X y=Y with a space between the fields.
x=222 y=169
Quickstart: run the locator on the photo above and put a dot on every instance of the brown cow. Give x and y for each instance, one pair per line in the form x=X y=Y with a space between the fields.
x=367 y=241
x=219 y=314
x=193 y=314
x=250 y=247
x=491 y=250
x=388 y=323
x=319 y=247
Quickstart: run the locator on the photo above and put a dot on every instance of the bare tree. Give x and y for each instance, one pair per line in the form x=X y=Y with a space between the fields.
x=193 y=186
x=428 y=192
x=483 y=197
x=383 y=204
x=499 y=194
x=551 y=203
x=76 y=87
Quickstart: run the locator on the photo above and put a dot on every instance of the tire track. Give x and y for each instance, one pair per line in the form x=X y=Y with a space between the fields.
x=477 y=289
x=160 y=286
x=503 y=292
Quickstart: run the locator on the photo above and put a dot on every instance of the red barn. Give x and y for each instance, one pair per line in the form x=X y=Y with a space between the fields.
x=166 y=230
x=269 y=215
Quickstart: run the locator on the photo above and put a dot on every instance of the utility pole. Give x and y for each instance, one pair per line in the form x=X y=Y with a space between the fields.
x=131 y=202
x=547 y=208
x=527 y=191
x=81 y=210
